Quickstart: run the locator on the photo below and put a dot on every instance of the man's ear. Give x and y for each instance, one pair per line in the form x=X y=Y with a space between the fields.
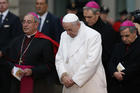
x=136 y=31
x=98 y=13
x=37 y=24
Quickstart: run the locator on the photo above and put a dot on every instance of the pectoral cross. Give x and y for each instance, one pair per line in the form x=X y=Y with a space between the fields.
x=20 y=61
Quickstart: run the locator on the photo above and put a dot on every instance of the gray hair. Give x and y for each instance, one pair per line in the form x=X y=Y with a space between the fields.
x=36 y=19
x=94 y=10
x=132 y=29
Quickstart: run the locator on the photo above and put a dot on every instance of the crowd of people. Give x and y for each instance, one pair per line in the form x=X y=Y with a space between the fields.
x=47 y=54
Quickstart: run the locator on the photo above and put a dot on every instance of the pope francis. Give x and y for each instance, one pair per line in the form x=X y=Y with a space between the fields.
x=78 y=60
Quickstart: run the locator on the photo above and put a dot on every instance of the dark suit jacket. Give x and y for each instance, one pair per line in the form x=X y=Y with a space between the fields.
x=130 y=59
x=10 y=29
x=52 y=27
x=40 y=55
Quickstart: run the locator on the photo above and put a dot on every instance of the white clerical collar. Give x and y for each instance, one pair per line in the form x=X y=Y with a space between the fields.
x=4 y=14
x=29 y=36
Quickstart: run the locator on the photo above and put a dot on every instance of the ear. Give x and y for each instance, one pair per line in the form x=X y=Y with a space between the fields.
x=98 y=13
x=136 y=32
x=36 y=25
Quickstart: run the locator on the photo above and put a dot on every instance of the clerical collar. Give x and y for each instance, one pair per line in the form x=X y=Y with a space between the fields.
x=29 y=36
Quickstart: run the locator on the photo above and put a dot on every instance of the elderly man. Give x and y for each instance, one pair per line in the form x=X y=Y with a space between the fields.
x=109 y=37
x=78 y=60
x=50 y=25
x=31 y=60
x=124 y=65
x=10 y=27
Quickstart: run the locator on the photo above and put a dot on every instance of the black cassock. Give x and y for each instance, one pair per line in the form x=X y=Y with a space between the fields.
x=129 y=57
x=39 y=54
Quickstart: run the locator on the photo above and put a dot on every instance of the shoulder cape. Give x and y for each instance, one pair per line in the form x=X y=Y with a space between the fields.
x=55 y=44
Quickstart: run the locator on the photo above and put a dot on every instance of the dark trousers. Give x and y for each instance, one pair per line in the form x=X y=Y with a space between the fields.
x=4 y=77
x=44 y=86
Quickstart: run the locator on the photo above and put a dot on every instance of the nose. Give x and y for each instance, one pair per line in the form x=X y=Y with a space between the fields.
x=68 y=32
x=124 y=38
x=38 y=5
x=87 y=19
x=25 y=24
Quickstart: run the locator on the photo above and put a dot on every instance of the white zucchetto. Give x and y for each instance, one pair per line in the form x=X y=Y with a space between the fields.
x=70 y=18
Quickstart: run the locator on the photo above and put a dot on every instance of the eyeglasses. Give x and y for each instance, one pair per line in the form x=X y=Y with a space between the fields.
x=28 y=22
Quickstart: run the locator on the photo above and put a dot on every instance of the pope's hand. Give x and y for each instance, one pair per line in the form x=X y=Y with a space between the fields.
x=67 y=81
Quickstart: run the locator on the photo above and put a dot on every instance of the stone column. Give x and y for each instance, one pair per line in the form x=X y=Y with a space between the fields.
x=111 y=4
x=51 y=6
x=137 y=4
x=14 y=6
x=26 y=6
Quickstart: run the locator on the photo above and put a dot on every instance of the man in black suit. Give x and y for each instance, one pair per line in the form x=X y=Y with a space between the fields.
x=124 y=66
x=50 y=25
x=34 y=54
x=10 y=27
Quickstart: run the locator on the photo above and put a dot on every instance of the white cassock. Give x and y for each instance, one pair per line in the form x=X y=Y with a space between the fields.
x=80 y=57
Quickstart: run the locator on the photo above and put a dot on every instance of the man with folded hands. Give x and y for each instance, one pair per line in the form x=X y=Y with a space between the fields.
x=32 y=52
x=78 y=60
x=124 y=66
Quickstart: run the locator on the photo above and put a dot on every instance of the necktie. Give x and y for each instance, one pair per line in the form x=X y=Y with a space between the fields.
x=39 y=24
x=1 y=19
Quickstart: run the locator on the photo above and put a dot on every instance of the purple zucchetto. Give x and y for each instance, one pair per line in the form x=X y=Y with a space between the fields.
x=92 y=4
x=34 y=14
x=127 y=23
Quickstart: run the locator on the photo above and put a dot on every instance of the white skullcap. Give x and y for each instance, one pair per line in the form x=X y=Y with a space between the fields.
x=70 y=18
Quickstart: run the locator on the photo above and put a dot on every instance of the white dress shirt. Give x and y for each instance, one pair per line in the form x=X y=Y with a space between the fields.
x=4 y=14
x=43 y=17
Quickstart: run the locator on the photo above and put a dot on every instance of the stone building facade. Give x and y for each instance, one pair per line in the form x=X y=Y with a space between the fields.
x=58 y=7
